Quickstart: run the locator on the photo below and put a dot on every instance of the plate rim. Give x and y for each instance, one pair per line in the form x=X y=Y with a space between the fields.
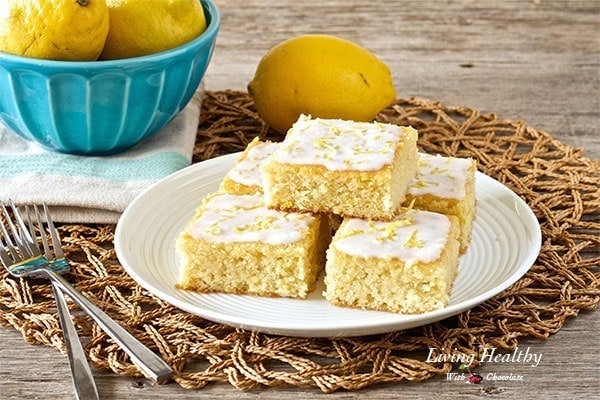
x=371 y=327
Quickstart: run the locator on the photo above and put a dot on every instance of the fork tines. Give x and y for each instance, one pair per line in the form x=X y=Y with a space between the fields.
x=58 y=253
x=16 y=236
x=22 y=233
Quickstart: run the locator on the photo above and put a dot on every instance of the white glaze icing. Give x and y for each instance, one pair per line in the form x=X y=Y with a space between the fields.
x=414 y=236
x=440 y=176
x=247 y=170
x=229 y=218
x=339 y=145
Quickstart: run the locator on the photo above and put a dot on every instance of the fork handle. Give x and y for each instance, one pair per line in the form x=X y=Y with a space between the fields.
x=83 y=380
x=151 y=365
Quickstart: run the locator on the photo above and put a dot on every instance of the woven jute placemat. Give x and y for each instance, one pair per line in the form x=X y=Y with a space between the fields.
x=559 y=184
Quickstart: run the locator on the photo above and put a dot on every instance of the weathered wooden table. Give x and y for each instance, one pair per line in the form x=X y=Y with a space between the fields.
x=532 y=60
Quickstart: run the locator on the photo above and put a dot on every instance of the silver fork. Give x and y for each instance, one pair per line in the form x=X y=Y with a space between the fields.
x=31 y=264
x=28 y=261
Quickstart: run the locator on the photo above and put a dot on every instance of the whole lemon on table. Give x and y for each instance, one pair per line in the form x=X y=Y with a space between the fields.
x=323 y=76
x=142 y=27
x=72 y=30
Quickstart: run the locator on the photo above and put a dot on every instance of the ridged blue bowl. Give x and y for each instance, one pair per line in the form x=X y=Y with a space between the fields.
x=102 y=107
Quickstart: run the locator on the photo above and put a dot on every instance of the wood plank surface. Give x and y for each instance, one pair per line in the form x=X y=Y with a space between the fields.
x=538 y=61
x=532 y=60
x=568 y=370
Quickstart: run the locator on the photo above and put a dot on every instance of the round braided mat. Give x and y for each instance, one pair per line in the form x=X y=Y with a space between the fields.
x=558 y=183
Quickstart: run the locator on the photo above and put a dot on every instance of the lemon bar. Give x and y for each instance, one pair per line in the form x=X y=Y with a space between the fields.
x=234 y=244
x=245 y=176
x=407 y=265
x=353 y=169
x=446 y=185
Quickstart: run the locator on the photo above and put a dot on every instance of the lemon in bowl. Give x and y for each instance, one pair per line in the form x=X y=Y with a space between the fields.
x=137 y=29
x=54 y=29
x=106 y=106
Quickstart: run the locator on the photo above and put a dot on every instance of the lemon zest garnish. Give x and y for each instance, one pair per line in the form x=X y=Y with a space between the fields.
x=321 y=143
x=413 y=241
x=213 y=229
x=438 y=170
x=387 y=234
x=358 y=132
x=380 y=126
x=246 y=208
x=290 y=146
x=388 y=231
x=448 y=160
x=335 y=130
x=419 y=183
x=226 y=217
x=261 y=223
x=404 y=221
x=350 y=233
x=264 y=222
x=387 y=147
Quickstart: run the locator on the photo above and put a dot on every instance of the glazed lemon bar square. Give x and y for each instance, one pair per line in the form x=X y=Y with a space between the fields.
x=446 y=185
x=407 y=265
x=234 y=244
x=245 y=177
x=355 y=169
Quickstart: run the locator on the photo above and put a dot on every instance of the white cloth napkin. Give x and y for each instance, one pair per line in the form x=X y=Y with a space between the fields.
x=85 y=189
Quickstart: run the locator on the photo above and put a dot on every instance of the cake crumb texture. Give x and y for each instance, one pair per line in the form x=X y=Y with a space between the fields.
x=236 y=245
x=446 y=185
x=245 y=177
x=342 y=167
x=404 y=266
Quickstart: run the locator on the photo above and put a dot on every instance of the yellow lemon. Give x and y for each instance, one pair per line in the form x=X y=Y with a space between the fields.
x=142 y=27
x=54 y=29
x=323 y=76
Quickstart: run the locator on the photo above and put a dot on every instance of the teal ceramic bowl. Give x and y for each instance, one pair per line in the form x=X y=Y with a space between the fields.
x=102 y=107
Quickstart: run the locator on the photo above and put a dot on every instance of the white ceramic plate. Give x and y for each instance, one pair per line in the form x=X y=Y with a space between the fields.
x=505 y=243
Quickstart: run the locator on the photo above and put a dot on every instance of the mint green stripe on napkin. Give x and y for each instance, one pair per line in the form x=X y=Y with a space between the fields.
x=149 y=167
